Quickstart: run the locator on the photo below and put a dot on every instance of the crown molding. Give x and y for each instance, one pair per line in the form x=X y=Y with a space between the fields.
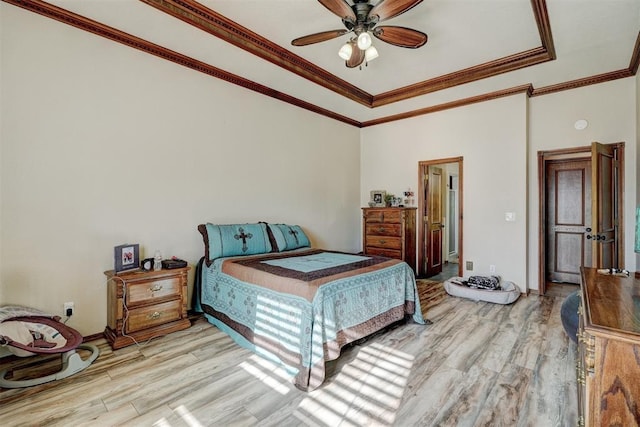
x=635 y=57
x=195 y=14
x=211 y=22
x=586 y=81
x=524 y=89
x=544 y=26
x=97 y=28
x=468 y=75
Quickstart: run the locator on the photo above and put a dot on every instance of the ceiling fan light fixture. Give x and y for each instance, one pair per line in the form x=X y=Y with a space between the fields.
x=345 y=51
x=371 y=53
x=364 y=40
x=360 y=19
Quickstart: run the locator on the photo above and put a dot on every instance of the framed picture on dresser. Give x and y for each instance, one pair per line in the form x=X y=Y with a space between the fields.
x=377 y=198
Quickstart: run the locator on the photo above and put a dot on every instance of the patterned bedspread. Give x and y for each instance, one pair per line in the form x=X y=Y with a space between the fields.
x=300 y=308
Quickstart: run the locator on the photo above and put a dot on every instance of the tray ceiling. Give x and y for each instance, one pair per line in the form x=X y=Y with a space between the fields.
x=476 y=50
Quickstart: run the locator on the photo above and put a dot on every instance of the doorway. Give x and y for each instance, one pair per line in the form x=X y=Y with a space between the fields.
x=440 y=218
x=568 y=211
x=581 y=206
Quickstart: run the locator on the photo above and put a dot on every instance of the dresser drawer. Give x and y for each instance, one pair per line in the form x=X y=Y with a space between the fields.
x=383 y=242
x=148 y=291
x=394 y=216
x=389 y=253
x=147 y=317
x=390 y=232
x=384 y=229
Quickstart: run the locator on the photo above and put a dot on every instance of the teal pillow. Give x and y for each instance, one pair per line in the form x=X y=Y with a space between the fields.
x=278 y=238
x=293 y=236
x=236 y=239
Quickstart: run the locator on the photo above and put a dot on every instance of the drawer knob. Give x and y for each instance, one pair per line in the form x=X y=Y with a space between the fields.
x=382 y=242
x=154 y=315
x=156 y=287
x=381 y=229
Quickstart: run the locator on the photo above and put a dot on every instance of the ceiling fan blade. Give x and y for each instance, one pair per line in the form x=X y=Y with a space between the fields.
x=318 y=37
x=400 y=36
x=387 y=9
x=341 y=8
x=357 y=57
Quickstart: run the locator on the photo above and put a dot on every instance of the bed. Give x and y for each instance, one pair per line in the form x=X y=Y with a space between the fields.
x=295 y=305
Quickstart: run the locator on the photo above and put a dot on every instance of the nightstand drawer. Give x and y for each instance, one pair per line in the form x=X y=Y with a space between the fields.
x=147 y=317
x=383 y=229
x=389 y=253
x=145 y=304
x=383 y=242
x=145 y=292
x=383 y=216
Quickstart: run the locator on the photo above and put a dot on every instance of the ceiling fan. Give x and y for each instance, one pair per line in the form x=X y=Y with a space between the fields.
x=361 y=19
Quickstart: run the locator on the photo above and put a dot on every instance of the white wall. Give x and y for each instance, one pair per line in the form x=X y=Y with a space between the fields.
x=610 y=109
x=499 y=141
x=104 y=145
x=491 y=138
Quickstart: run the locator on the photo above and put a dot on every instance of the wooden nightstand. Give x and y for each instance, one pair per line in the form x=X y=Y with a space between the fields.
x=145 y=304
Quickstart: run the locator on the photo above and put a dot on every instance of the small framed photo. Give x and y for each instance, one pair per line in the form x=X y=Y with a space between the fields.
x=126 y=257
x=377 y=198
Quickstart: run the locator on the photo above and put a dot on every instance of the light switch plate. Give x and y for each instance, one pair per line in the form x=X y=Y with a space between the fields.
x=510 y=216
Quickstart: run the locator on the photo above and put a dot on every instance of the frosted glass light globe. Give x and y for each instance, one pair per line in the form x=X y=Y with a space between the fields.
x=345 y=51
x=370 y=54
x=364 y=41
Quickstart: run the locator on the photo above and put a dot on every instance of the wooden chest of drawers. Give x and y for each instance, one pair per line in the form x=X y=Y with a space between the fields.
x=390 y=232
x=145 y=304
x=608 y=368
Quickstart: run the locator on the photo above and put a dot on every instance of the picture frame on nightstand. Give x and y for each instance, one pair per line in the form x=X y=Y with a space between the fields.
x=126 y=257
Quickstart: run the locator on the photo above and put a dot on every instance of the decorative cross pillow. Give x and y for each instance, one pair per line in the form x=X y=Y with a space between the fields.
x=234 y=239
x=289 y=237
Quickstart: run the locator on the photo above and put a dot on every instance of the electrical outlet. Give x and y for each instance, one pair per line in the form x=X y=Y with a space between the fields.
x=492 y=269
x=68 y=309
x=469 y=265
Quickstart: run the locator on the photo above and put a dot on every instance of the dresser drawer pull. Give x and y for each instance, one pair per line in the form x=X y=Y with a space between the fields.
x=156 y=287
x=154 y=315
x=589 y=361
x=381 y=229
x=382 y=242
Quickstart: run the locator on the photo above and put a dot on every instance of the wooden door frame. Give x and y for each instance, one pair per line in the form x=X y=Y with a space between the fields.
x=422 y=201
x=575 y=153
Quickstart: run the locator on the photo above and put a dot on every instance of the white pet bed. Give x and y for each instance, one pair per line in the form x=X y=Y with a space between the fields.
x=507 y=293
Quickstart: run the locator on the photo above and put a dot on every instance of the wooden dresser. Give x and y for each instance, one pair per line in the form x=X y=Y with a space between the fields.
x=145 y=304
x=608 y=367
x=390 y=232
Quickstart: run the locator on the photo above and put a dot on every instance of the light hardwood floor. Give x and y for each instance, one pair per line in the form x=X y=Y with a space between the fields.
x=478 y=364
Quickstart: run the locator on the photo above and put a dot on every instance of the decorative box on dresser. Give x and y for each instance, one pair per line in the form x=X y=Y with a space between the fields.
x=145 y=304
x=608 y=364
x=390 y=232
